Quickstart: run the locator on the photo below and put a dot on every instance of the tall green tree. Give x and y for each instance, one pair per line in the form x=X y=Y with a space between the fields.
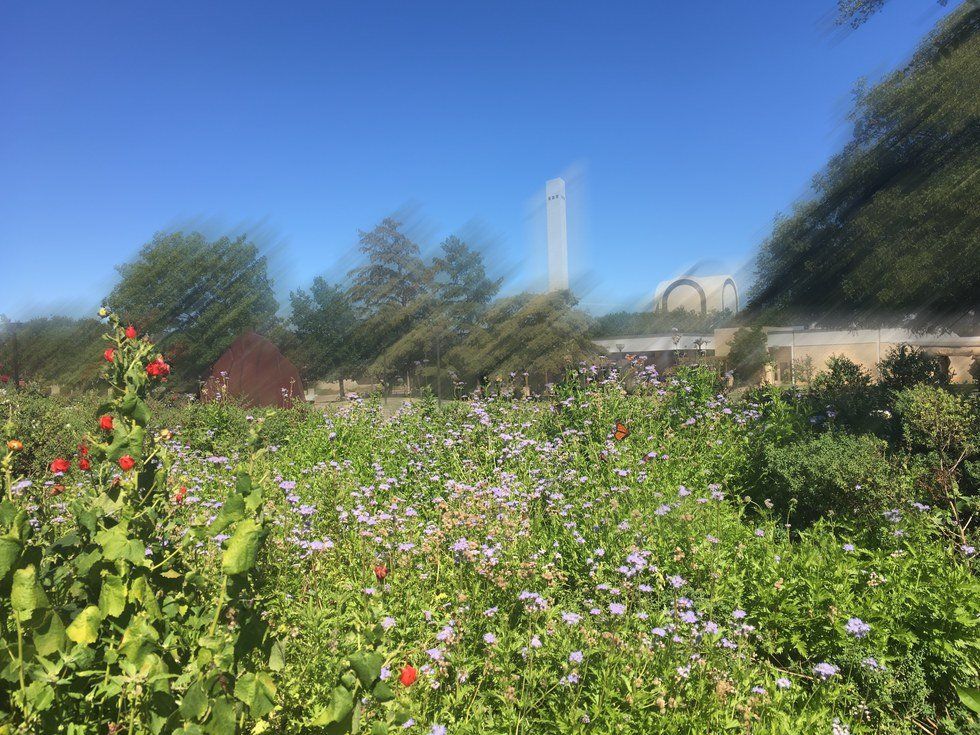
x=195 y=296
x=58 y=350
x=324 y=323
x=394 y=274
x=460 y=279
x=892 y=231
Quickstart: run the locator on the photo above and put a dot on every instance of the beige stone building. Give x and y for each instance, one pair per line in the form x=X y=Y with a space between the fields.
x=798 y=353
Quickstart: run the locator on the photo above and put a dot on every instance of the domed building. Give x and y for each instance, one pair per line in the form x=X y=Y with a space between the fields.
x=699 y=294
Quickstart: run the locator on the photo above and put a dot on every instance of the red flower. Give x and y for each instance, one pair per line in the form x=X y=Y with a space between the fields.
x=381 y=571
x=127 y=463
x=408 y=675
x=4 y=378
x=180 y=495
x=60 y=465
x=109 y=354
x=84 y=464
x=130 y=332
x=158 y=368
x=82 y=449
x=105 y=423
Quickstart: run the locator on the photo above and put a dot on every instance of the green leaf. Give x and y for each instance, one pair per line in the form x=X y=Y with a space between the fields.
x=379 y=728
x=84 y=629
x=112 y=596
x=258 y=691
x=243 y=548
x=232 y=511
x=383 y=692
x=970 y=696
x=50 y=638
x=367 y=666
x=117 y=545
x=9 y=553
x=340 y=707
x=277 y=656
x=194 y=703
x=26 y=595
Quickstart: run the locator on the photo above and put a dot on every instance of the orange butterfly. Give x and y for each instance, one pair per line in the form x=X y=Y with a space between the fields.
x=621 y=431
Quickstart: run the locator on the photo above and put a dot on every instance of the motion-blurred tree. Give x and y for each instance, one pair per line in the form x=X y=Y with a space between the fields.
x=542 y=334
x=892 y=231
x=58 y=350
x=195 y=297
x=324 y=322
x=856 y=12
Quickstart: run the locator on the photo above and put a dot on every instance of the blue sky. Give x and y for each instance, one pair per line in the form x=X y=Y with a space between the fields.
x=682 y=129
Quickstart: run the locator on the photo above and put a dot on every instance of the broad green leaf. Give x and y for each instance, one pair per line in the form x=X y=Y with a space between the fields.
x=367 y=666
x=243 y=548
x=258 y=691
x=51 y=637
x=383 y=692
x=194 y=703
x=232 y=511
x=970 y=696
x=222 y=720
x=112 y=597
x=9 y=553
x=84 y=628
x=277 y=656
x=116 y=545
x=378 y=727
x=340 y=706
x=26 y=596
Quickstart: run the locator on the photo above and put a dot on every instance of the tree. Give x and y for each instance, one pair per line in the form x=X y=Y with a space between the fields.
x=906 y=366
x=57 y=350
x=748 y=353
x=855 y=12
x=394 y=274
x=323 y=322
x=892 y=231
x=460 y=279
x=542 y=334
x=195 y=296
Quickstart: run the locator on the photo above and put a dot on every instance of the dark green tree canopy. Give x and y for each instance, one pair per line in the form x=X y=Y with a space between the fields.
x=892 y=231
x=460 y=278
x=195 y=296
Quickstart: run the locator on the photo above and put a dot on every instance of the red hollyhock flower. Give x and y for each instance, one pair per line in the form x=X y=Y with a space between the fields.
x=127 y=463
x=60 y=465
x=105 y=423
x=82 y=449
x=381 y=571
x=408 y=675
x=109 y=354
x=158 y=368
x=84 y=464
x=130 y=332
x=180 y=495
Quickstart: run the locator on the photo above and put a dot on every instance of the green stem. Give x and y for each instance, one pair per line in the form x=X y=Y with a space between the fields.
x=221 y=602
x=20 y=665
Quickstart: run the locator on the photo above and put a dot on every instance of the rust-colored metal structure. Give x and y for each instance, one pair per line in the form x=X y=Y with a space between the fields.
x=255 y=373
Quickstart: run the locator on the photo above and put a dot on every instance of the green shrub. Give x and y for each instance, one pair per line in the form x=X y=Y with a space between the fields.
x=48 y=426
x=844 y=396
x=905 y=366
x=832 y=473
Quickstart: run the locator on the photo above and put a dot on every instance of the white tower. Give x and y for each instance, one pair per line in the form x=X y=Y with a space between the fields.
x=557 y=236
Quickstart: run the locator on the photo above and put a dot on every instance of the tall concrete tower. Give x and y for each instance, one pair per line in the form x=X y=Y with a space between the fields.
x=557 y=236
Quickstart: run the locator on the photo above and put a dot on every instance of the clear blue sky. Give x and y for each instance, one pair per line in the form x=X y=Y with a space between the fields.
x=682 y=128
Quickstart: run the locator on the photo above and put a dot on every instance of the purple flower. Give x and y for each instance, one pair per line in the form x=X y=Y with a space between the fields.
x=783 y=683
x=825 y=670
x=571 y=618
x=617 y=608
x=857 y=627
x=576 y=657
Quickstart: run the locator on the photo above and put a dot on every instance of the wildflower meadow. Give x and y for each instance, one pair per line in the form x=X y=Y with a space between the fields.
x=624 y=554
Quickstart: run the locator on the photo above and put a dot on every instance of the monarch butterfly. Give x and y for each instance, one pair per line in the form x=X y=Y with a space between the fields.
x=621 y=431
